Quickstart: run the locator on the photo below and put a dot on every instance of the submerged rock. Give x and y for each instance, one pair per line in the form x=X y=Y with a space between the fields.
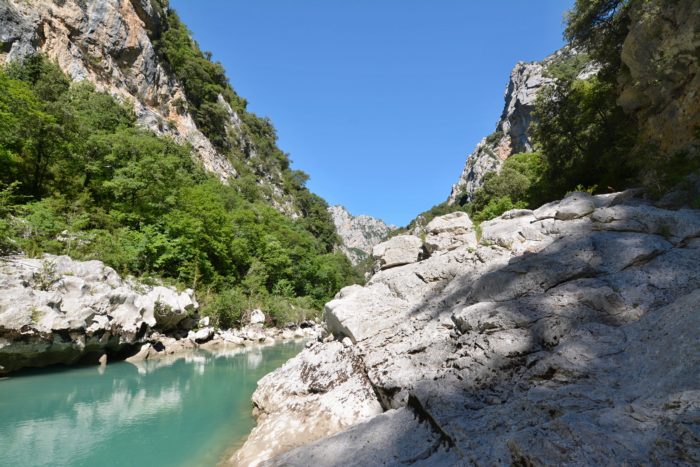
x=568 y=335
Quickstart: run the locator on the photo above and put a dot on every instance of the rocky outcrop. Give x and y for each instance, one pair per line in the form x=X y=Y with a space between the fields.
x=331 y=394
x=57 y=310
x=568 y=335
x=358 y=234
x=661 y=74
x=448 y=232
x=397 y=251
x=109 y=43
x=511 y=135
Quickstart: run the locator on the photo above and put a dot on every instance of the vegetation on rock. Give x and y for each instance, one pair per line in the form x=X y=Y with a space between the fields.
x=584 y=138
x=78 y=177
x=250 y=142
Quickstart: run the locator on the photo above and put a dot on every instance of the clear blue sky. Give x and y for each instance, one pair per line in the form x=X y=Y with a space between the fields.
x=379 y=101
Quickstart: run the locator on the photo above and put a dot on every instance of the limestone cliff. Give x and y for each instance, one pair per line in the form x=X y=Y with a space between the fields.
x=112 y=43
x=511 y=135
x=567 y=335
x=359 y=234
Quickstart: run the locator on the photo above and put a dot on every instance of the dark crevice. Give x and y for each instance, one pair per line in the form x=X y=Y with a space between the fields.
x=425 y=416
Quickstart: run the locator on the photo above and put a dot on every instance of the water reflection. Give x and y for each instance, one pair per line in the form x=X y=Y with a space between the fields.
x=178 y=410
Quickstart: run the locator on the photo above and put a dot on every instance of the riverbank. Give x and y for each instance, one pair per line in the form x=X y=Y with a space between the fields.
x=212 y=339
x=558 y=328
x=57 y=310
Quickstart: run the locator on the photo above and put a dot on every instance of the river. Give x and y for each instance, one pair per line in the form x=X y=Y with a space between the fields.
x=190 y=410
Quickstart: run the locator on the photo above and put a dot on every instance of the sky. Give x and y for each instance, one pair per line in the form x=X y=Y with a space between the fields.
x=379 y=101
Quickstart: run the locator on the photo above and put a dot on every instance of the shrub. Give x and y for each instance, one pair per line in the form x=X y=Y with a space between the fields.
x=227 y=308
x=519 y=184
x=495 y=207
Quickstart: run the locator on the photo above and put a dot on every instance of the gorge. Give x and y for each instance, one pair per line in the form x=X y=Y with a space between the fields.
x=172 y=293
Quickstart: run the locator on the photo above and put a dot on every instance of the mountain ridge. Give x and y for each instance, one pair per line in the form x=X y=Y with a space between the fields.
x=358 y=234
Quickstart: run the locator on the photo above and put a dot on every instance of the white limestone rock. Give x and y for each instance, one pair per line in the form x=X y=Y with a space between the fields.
x=318 y=393
x=397 y=251
x=257 y=316
x=571 y=329
x=57 y=310
x=448 y=232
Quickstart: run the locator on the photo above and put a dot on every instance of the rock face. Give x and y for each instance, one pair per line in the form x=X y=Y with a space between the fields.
x=359 y=234
x=331 y=381
x=568 y=335
x=57 y=310
x=662 y=83
x=511 y=135
x=111 y=43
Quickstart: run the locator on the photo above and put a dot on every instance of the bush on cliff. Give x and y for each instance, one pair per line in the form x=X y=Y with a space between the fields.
x=252 y=144
x=519 y=184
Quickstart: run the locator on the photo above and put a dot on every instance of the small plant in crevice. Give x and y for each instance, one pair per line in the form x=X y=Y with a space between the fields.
x=45 y=276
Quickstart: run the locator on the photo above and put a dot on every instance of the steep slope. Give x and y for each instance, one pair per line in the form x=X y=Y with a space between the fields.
x=118 y=46
x=511 y=135
x=564 y=326
x=83 y=175
x=358 y=234
x=660 y=79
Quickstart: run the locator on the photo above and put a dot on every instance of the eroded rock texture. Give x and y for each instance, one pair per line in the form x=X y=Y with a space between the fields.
x=567 y=335
x=661 y=74
x=57 y=310
x=111 y=43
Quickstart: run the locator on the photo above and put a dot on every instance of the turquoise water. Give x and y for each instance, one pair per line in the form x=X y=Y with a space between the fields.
x=186 y=411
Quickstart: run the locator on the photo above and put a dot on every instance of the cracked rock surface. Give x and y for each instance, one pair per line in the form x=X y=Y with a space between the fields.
x=58 y=310
x=567 y=335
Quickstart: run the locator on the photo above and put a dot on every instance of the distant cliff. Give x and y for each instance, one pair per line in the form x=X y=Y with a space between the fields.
x=358 y=233
x=511 y=135
x=655 y=77
x=513 y=129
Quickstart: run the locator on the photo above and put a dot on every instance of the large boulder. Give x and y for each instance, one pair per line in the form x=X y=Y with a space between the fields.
x=58 y=310
x=308 y=398
x=397 y=251
x=450 y=231
x=257 y=316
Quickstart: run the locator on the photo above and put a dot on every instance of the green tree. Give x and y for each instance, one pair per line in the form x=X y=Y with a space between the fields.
x=519 y=184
